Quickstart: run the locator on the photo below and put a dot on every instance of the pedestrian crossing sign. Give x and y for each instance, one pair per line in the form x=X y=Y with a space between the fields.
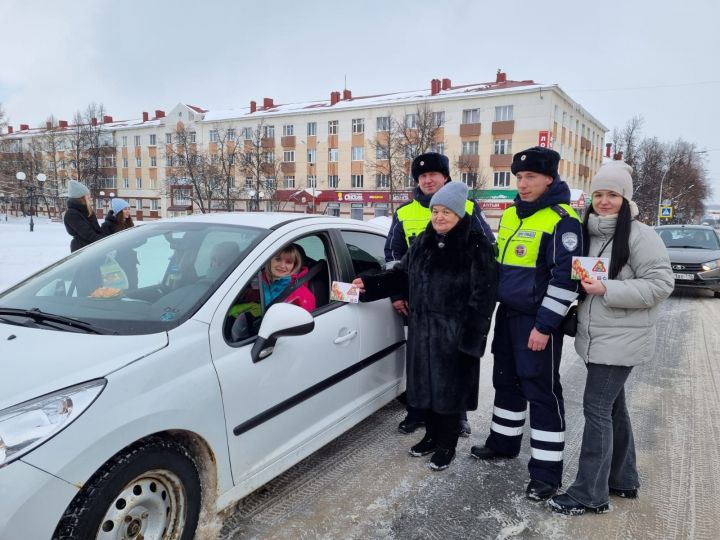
x=666 y=211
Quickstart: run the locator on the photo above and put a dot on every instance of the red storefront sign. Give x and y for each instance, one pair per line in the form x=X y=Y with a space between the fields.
x=494 y=205
x=544 y=139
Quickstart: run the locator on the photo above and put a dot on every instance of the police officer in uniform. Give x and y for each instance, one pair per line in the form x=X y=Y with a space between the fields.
x=431 y=171
x=537 y=238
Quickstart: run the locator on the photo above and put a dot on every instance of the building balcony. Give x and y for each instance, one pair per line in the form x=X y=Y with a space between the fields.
x=287 y=167
x=468 y=162
x=506 y=127
x=288 y=141
x=500 y=160
x=470 y=130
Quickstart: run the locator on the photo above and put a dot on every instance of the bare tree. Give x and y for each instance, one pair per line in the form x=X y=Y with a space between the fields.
x=470 y=171
x=390 y=162
x=420 y=130
x=258 y=164
x=51 y=143
x=225 y=155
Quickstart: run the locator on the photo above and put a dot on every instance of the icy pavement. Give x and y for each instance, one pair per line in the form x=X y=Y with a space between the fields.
x=365 y=485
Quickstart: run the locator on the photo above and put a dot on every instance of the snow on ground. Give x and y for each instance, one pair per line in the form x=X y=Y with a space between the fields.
x=23 y=253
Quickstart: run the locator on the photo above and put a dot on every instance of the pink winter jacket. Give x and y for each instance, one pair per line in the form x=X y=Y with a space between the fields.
x=302 y=296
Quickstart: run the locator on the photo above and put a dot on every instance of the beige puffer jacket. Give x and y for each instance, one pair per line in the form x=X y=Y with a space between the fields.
x=618 y=328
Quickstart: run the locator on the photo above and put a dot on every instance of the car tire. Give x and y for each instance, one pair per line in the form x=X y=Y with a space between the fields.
x=716 y=294
x=151 y=488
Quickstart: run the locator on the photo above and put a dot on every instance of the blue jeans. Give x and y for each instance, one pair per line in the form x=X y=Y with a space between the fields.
x=607 y=457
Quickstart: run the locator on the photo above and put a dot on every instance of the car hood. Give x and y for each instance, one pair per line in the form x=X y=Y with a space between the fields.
x=689 y=255
x=34 y=362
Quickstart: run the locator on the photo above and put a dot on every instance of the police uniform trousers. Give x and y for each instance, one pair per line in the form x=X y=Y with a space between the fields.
x=521 y=375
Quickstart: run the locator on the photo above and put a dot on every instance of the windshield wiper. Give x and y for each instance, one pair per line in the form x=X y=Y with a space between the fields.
x=689 y=247
x=41 y=317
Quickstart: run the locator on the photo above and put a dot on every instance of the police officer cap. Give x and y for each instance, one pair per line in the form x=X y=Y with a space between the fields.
x=430 y=162
x=536 y=159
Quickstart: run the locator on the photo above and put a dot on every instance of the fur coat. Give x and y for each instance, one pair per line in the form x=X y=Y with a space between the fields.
x=450 y=282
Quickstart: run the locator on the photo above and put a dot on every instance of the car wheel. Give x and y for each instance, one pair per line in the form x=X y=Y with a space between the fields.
x=149 y=491
x=717 y=294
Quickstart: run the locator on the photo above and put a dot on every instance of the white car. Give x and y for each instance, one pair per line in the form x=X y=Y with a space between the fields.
x=143 y=388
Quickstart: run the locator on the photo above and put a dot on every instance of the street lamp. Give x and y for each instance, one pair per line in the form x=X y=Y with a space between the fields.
x=106 y=200
x=30 y=188
x=257 y=195
x=5 y=203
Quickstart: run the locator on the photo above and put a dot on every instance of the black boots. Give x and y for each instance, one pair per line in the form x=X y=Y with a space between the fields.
x=565 y=504
x=484 y=452
x=537 y=490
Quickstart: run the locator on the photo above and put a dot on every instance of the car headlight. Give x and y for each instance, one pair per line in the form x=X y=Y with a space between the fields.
x=710 y=265
x=26 y=426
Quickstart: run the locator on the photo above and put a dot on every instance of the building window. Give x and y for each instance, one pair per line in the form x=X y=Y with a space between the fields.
x=501 y=179
x=270 y=182
x=312 y=181
x=61 y=164
x=154 y=204
x=289 y=182
x=289 y=156
x=411 y=150
x=214 y=135
x=382 y=181
x=124 y=141
x=332 y=155
x=191 y=137
x=411 y=121
x=438 y=119
x=269 y=157
x=333 y=180
x=312 y=128
x=247 y=133
x=153 y=140
x=470 y=147
x=383 y=123
x=168 y=161
x=356 y=181
x=410 y=181
x=470 y=179
x=231 y=181
x=230 y=134
x=138 y=204
x=138 y=183
x=138 y=161
x=214 y=159
x=153 y=161
x=503 y=113
x=137 y=140
x=381 y=152
x=471 y=116
x=332 y=127
x=168 y=138
x=358 y=125
x=248 y=182
x=288 y=130
x=312 y=155
x=125 y=162
x=503 y=146
x=358 y=153
x=438 y=147
x=126 y=183
x=269 y=132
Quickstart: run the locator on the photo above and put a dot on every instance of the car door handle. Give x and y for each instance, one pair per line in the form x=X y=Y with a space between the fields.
x=347 y=337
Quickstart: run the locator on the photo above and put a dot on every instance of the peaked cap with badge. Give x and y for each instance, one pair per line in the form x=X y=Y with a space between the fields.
x=536 y=159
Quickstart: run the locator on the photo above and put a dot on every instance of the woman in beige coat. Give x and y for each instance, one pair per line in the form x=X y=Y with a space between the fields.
x=616 y=331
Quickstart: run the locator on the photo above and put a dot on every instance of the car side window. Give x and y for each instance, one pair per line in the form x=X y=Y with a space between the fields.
x=367 y=251
x=298 y=273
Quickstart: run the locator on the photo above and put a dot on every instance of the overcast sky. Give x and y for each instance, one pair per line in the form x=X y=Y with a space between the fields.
x=655 y=58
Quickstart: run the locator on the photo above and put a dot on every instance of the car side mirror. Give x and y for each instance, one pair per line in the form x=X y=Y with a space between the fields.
x=280 y=320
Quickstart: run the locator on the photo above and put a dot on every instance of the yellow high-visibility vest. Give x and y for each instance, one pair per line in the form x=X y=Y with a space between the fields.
x=415 y=218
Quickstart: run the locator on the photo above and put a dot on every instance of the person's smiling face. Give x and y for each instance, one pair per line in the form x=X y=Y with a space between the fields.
x=443 y=219
x=606 y=202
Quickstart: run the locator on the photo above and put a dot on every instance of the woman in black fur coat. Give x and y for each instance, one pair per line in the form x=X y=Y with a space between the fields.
x=449 y=274
x=80 y=221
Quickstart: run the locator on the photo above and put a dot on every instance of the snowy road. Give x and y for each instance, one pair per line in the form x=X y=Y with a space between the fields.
x=364 y=485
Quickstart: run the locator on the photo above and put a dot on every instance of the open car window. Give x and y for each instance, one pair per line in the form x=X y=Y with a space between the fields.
x=243 y=320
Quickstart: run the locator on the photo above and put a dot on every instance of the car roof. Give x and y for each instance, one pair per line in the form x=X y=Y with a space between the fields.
x=267 y=220
x=701 y=227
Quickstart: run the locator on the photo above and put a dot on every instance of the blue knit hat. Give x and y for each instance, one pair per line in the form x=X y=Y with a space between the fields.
x=76 y=190
x=452 y=195
x=118 y=205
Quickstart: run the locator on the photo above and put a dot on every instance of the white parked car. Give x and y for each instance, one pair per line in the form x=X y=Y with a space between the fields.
x=140 y=388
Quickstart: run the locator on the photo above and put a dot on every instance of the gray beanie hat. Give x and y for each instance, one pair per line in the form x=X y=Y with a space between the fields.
x=77 y=190
x=452 y=195
x=614 y=176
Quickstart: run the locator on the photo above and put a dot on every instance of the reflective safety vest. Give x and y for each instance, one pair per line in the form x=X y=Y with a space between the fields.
x=415 y=218
x=519 y=239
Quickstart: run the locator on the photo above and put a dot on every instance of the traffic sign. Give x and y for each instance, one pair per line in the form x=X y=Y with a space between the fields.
x=666 y=212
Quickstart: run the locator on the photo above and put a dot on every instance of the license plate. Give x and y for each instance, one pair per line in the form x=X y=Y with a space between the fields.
x=688 y=277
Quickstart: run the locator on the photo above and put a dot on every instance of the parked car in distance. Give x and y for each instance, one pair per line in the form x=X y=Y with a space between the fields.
x=694 y=254
x=145 y=381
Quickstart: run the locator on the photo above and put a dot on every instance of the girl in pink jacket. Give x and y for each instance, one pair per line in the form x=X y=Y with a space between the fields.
x=281 y=272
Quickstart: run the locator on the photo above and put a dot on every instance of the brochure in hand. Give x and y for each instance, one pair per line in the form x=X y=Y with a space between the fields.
x=584 y=267
x=344 y=292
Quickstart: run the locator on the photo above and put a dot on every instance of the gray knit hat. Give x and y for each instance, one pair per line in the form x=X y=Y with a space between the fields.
x=77 y=190
x=452 y=195
x=614 y=176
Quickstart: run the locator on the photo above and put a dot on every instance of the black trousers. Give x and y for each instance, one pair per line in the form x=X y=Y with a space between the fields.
x=443 y=428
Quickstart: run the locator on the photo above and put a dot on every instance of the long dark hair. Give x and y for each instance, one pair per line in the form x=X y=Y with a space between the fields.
x=620 y=252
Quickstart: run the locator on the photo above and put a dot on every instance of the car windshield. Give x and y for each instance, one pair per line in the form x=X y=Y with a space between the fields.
x=681 y=237
x=144 y=280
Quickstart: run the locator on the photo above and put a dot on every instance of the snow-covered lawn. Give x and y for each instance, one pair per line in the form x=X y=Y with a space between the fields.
x=23 y=252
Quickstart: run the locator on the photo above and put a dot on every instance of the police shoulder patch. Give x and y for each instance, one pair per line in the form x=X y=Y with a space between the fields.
x=570 y=241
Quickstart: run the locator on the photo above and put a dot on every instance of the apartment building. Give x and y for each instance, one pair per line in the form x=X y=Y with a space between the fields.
x=325 y=156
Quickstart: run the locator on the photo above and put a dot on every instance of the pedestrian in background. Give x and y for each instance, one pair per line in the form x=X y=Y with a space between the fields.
x=449 y=278
x=537 y=239
x=118 y=218
x=80 y=220
x=431 y=171
x=616 y=331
